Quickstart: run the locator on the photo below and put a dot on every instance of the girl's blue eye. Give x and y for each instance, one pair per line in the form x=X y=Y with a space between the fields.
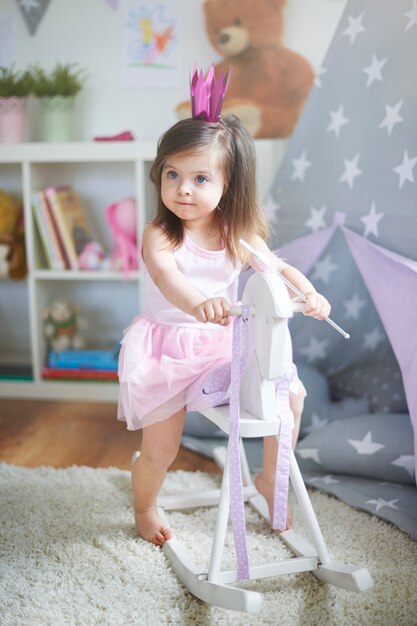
x=171 y=175
x=201 y=179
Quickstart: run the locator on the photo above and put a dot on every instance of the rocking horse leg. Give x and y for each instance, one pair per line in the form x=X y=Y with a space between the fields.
x=343 y=575
x=246 y=475
x=307 y=509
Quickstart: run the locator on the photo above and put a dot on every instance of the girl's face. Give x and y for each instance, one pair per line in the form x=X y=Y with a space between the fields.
x=192 y=185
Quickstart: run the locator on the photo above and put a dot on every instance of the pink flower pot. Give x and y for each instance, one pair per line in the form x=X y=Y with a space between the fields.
x=12 y=119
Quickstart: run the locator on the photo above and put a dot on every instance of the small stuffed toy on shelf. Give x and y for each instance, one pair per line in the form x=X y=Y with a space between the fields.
x=12 y=238
x=61 y=326
x=121 y=218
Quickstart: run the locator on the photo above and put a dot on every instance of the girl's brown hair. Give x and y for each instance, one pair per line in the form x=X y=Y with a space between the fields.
x=239 y=214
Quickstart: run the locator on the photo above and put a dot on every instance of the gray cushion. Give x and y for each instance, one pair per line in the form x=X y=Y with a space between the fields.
x=373 y=445
x=319 y=409
x=196 y=425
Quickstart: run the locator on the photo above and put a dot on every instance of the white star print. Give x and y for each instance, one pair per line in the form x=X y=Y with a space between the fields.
x=411 y=16
x=406 y=461
x=300 y=166
x=323 y=269
x=372 y=339
x=366 y=445
x=271 y=206
x=29 y=4
x=337 y=121
x=374 y=70
x=354 y=306
x=315 y=350
x=371 y=221
x=355 y=27
x=392 y=117
x=310 y=453
x=320 y=71
x=389 y=484
x=351 y=170
x=380 y=503
x=328 y=479
x=405 y=170
x=316 y=220
x=316 y=423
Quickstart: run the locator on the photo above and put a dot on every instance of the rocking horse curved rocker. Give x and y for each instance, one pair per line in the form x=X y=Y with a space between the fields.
x=256 y=409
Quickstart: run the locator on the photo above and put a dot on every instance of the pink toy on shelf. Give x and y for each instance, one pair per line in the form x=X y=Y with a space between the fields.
x=126 y=135
x=92 y=257
x=121 y=217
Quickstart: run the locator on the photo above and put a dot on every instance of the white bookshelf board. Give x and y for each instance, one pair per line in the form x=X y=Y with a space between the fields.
x=101 y=173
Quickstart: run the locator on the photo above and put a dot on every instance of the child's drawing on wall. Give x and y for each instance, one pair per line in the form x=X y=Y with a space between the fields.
x=151 y=44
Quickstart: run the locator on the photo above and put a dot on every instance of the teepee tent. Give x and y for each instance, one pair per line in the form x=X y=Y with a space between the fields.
x=352 y=161
x=344 y=209
x=344 y=205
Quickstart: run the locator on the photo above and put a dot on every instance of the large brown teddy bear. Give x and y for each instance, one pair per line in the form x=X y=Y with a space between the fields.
x=269 y=83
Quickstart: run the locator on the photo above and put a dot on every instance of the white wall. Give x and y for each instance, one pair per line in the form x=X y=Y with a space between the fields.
x=90 y=32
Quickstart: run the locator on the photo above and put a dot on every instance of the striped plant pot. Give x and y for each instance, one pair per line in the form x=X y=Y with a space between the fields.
x=58 y=118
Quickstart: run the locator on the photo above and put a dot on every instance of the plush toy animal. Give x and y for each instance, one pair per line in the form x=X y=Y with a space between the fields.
x=61 y=326
x=121 y=217
x=12 y=238
x=269 y=82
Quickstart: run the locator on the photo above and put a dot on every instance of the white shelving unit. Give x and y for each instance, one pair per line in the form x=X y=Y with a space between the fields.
x=101 y=173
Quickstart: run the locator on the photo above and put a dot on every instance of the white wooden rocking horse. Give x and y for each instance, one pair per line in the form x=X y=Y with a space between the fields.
x=270 y=308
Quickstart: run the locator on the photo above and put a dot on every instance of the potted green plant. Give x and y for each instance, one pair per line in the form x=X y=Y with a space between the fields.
x=57 y=89
x=15 y=87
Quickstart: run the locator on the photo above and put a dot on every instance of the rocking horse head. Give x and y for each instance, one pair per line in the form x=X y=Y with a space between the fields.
x=268 y=333
x=269 y=342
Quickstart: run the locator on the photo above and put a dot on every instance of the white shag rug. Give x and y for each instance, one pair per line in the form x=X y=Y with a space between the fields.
x=69 y=555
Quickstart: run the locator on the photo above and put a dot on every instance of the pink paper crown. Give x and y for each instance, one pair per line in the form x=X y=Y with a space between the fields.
x=207 y=94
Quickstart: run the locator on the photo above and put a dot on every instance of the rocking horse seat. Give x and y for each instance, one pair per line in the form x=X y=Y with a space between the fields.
x=249 y=425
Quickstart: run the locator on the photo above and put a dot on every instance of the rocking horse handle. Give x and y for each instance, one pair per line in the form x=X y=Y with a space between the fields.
x=267 y=266
x=237 y=310
x=297 y=307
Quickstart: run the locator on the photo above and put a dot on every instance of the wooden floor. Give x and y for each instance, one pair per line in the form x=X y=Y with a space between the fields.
x=60 y=434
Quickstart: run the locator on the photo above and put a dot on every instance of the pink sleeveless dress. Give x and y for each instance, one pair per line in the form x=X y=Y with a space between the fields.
x=164 y=352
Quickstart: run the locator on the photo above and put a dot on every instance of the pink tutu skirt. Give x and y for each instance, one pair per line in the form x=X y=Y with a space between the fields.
x=160 y=365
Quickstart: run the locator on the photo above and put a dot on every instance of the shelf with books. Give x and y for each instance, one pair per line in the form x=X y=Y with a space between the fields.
x=83 y=364
x=15 y=367
x=101 y=174
x=88 y=275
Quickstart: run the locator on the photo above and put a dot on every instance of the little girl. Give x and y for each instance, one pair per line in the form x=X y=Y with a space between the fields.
x=204 y=175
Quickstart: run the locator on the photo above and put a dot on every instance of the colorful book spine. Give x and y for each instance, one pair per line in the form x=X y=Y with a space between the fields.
x=47 y=233
x=66 y=212
x=58 y=243
x=91 y=359
x=59 y=373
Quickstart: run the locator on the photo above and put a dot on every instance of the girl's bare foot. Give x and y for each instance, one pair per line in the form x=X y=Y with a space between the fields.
x=151 y=528
x=266 y=489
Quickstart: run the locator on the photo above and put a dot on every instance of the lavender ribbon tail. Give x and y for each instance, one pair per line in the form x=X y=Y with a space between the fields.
x=239 y=358
x=279 y=521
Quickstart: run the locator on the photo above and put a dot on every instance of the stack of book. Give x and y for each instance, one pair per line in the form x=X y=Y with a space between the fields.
x=97 y=364
x=15 y=371
x=62 y=226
